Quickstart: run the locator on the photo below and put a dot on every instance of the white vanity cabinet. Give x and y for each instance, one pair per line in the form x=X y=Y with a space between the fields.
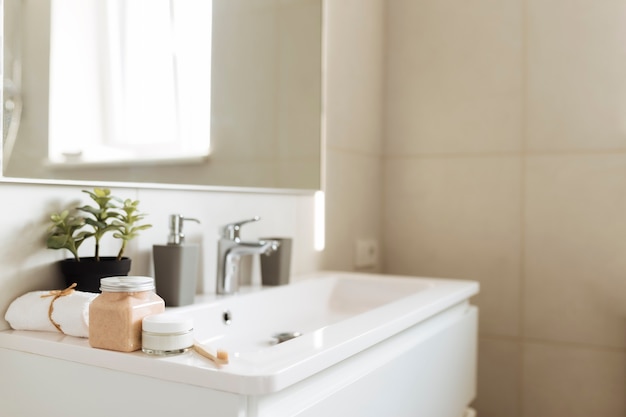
x=424 y=369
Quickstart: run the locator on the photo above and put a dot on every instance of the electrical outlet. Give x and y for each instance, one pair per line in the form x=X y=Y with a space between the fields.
x=366 y=253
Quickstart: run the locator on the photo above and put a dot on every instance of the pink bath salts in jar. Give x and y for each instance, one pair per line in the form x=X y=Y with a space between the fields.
x=115 y=316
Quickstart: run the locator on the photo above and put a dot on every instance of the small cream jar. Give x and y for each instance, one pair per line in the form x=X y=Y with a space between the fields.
x=166 y=334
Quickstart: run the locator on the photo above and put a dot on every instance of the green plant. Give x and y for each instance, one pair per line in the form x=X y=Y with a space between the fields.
x=109 y=215
x=64 y=232
x=102 y=216
x=125 y=224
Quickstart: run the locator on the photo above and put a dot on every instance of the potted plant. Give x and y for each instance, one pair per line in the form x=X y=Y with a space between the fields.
x=109 y=215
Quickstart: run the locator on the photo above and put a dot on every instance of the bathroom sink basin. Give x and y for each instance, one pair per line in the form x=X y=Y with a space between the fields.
x=249 y=324
x=337 y=315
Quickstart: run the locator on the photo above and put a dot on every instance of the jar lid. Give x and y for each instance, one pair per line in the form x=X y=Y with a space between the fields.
x=167 y=323
x=127 y=284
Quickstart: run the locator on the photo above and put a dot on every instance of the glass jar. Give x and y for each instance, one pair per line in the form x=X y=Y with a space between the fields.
x=115 y=316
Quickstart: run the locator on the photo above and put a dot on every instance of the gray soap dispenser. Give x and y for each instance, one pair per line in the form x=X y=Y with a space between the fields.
x=176 y=265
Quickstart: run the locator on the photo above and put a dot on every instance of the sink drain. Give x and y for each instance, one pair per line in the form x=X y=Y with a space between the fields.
x=227 y=317
x=283 y=337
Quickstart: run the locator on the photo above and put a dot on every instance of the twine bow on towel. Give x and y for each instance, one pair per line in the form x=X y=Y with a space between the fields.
x=57 y=294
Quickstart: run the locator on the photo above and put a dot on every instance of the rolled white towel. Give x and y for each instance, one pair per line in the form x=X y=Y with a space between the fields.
x=70 y=311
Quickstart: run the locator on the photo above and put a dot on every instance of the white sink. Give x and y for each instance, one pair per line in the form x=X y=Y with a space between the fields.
x=313 y=308
x=340 y=315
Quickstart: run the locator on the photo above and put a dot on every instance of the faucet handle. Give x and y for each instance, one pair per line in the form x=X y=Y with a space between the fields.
x=231 y=230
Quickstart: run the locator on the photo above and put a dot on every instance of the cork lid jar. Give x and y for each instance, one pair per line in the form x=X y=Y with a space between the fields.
x=115 y=316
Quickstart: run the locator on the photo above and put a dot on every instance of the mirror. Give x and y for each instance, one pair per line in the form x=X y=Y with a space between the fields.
x=265 y=99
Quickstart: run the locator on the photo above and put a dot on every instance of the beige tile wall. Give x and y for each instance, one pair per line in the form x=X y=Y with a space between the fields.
x=353 y=113
x=505 y=162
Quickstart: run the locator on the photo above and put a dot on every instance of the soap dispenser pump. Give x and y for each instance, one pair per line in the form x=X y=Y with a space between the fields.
x=176 y=265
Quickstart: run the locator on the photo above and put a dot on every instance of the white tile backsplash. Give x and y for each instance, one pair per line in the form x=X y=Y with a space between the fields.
x=28 y=265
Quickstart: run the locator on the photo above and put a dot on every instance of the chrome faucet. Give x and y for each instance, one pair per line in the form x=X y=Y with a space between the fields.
x=230 y=249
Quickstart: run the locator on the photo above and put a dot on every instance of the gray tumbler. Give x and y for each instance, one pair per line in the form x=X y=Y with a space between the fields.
x=275 y=267
x=175 y=273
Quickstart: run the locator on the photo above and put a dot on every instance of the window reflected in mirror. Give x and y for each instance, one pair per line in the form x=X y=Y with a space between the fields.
x=140 y=73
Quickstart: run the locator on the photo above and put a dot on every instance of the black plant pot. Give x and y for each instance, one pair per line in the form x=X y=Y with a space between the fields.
x=87 y=273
